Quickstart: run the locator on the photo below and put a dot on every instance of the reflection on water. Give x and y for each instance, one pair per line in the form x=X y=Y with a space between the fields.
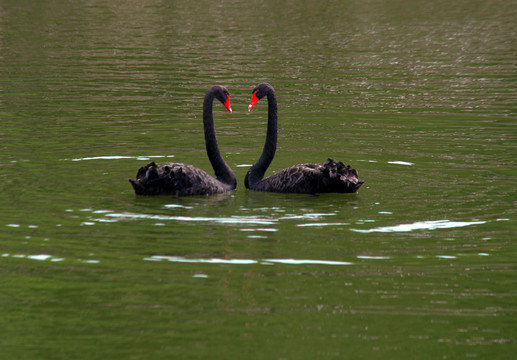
x=118 y=157
x=401 y=163
x=323 y=224
x=247 y=261
x=46 y=257
x=421 y=225
x=110 y=217
x=180 y=259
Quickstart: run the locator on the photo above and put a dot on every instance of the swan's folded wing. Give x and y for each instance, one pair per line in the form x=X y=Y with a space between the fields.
x=303 y=178
x=330 y=176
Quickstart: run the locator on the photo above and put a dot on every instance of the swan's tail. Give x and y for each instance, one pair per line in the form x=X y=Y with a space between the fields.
x=340 y=177
x=153 y=180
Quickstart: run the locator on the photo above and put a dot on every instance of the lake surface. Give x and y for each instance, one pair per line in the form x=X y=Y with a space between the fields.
x=420 y=97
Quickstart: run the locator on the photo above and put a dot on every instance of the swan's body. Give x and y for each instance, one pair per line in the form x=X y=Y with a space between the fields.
x=181 y=179
x=327 y=177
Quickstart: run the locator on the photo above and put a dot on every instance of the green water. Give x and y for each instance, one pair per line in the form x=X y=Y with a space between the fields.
x=420 y=97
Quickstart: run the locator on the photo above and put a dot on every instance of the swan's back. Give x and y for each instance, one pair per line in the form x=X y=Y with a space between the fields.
x=176 y=179
x=327 y=177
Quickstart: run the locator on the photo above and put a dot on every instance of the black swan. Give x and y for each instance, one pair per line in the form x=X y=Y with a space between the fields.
x=181 y=179
x=327 y=177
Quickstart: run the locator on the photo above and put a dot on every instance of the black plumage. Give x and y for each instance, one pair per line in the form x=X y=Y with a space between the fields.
x=181 y=179
x=326 y=177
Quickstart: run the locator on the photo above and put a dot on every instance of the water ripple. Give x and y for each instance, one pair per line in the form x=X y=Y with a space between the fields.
x=406 y=163
x=421 y=225
x=220 y=220
x=322 y=224
x=119 y=157
x=308 y=216
x=247 y=261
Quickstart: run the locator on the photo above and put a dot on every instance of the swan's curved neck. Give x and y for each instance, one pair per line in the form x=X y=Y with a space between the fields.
x=257 y=171
x=222 y=171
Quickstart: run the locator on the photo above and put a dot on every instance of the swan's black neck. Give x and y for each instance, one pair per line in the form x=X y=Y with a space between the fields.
x=223 y=172
x=257 y=171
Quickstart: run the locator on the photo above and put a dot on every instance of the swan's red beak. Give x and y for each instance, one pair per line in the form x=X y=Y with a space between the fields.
x=227 y=104
x=253 y=101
